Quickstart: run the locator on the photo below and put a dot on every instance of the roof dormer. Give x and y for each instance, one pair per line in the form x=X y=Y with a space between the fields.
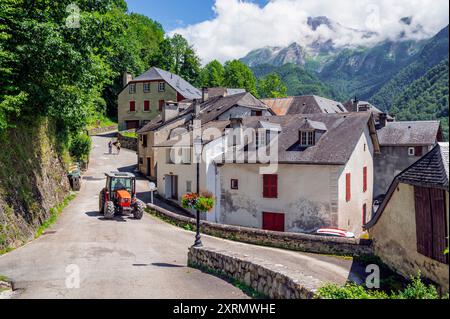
x=310 y=132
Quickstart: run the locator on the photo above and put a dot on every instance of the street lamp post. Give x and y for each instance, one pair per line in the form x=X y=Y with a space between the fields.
x=198 y=152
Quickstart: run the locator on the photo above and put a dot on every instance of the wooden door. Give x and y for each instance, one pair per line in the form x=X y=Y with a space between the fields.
x=149 y=162
x=273 y=221
x=132 y=125
x=175 y=187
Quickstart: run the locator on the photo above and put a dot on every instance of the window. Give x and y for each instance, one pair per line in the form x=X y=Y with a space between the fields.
x=431 y=224
x=146 y=87
x=146 y=106
x=270 y=186
x=256 y=113
x=132 y=106
x=234 y=184
x=132 y=88
x=273 y=221
x=188 y=186
x=141 y=160
x=168 y=156
x=144 y=140
x=307 y=138
x=186 y=154
x=364 y=179
x=348 y=194
x=161 y=87
x=161 y=105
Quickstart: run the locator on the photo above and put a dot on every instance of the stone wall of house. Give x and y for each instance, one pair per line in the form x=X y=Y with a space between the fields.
x=127 y=142
x=291 y=241
x=100 y=130
x=268 y=279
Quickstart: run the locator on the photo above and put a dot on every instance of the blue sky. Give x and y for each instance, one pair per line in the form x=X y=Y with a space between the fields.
x=174 y=14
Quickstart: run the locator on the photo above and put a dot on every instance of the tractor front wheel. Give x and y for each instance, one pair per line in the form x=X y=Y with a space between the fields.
x=138 y=210
x=109 y=210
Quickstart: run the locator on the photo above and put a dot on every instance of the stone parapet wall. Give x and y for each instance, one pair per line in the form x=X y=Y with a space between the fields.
x=100 y=130
x=127 y=142
x=274 y=281
x=291 y=241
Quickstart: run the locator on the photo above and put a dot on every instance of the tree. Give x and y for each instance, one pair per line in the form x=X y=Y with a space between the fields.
x=238 y=75
x=271 y=87
x=212 y=75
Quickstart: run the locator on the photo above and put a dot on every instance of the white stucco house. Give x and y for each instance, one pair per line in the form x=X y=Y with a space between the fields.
x=322 y=176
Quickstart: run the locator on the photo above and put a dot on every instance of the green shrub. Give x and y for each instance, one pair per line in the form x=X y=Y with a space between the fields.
x=416 y=289
x=80 y=146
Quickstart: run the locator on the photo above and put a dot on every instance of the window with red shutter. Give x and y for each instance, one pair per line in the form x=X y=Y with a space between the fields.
x=270 y=186
x=418 y=151
x=132 y=106
x=146 y=106
x=364 y=179
x=348 y=194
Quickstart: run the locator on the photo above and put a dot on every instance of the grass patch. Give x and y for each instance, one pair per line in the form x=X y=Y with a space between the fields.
x=100 y=120
x=249 y=291
x=54 y=213
x=129 y=134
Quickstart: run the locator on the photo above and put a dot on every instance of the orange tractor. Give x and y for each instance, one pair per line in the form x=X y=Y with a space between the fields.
x=119 y=196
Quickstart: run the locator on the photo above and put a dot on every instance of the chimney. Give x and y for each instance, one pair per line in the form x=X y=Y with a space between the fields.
x=382 y=120
x=127 y=77
x=204 y=94
x=355 y=104
x=236 y=122
x=169 y=111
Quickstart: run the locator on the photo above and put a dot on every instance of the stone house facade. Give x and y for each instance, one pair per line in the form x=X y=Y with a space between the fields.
x=144 y=97
x=410 y=229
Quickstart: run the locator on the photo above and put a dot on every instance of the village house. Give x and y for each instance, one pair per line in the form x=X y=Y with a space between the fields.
x=144 y=97
x=402 y=143
x=315 y=147
x=176 y=116
x=410 y=229
x=355 y=105
x=305 y=104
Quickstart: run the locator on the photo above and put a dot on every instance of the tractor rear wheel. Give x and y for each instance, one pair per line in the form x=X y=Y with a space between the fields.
x=109 y=210
x=138 y=210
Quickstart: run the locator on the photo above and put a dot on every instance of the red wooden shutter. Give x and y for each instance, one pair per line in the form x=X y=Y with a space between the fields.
x=132 y=106
x=348 y=194
x=270 y=186
x=146 y=105
x=418 y=151
x=364 y=179
x=439 y=233
x=364 y=214
x=161 y=104
x=273 y=221
x=423 y=221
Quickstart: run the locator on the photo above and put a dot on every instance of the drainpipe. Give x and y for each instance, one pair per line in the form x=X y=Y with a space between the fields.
x=198 y=241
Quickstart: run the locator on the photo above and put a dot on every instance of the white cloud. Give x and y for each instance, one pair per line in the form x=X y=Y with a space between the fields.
x=241 y=26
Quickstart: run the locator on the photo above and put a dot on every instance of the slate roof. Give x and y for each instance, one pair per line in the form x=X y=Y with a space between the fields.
x=355 y=107
x=211 y=109
x=334 y=147
x=409 y=133
x=221 y=91
x=216 y=106
x=431 y=170
x=305 y=104
x=178 y=83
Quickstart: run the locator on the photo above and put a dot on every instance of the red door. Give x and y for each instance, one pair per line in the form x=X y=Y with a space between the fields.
x=132 y=125
x=273 y=221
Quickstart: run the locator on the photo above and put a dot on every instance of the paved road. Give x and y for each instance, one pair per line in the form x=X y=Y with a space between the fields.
x=127 y=258
x=122 y=258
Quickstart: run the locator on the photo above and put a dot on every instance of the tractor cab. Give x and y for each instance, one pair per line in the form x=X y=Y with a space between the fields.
x=119 y=195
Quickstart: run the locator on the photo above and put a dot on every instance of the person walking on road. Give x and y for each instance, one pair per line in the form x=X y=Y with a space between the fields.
x=110 y=145
x=118 y=147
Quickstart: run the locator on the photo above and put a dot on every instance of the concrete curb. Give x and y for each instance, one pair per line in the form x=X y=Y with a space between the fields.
x=290 y=241
x=274 y=281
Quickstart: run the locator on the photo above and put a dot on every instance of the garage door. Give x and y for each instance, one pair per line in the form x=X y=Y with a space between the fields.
x=132 y=125
x=273 y=221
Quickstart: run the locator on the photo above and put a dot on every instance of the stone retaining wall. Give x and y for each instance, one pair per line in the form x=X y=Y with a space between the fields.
x=127 y=142
x=100 y=130
x=291 y=241
x=274 y=281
